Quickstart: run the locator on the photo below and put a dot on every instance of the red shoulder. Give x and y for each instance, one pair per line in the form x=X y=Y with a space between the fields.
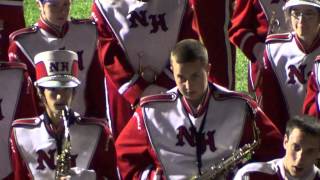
x=22 y=31
x=35 y=121
x=283 y=37
x=168 y=97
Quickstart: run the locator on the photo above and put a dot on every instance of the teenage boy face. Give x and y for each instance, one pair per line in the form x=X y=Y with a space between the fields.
x=55 y=12
x=191 y=79
x=302 y=150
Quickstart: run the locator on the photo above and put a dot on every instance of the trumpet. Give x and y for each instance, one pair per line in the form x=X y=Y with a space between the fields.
x=241 y=155
x=63 y=159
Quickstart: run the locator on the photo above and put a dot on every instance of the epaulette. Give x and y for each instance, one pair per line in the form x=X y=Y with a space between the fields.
x=92 y=121
x=82 y=21
x=284 y=37
x=22 y=31
x=30 y=122
x=168 y=97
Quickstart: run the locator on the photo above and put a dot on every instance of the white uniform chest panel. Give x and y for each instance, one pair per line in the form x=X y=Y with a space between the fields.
x=146 y=31
x=273 y=10
x=292 y=68
x=38 y=148
x=169 y=132
x=79 y=38
x=9 y=94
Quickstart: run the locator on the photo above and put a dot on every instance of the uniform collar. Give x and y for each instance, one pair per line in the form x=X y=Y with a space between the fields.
x=57 y=132
x=53 y=31
x=202 y=106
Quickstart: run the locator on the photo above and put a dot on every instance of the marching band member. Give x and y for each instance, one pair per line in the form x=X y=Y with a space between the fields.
x=179 y=134
x=36 y=142
x=54 y=31
x=302 y=146
x=135 y=39
x=288 y=62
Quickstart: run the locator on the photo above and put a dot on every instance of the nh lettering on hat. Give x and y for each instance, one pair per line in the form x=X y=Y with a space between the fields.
x=59 y=67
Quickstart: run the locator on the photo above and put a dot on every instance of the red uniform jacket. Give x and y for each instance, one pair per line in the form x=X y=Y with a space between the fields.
x=131 y=39
x=159 y=140
x=34 y=147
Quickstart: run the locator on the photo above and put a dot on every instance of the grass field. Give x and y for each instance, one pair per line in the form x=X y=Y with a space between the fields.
x=81 y=9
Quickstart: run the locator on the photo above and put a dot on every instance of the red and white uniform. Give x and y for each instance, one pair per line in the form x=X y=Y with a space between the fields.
x=14 y=98
x=250 y=26
x=11 y=19
x=271 y=170
x=221 y=52
x=136 y=35
x=312 y=99
x=284 y=77
x=78 y=36
x=34 y=147
x=164 y=142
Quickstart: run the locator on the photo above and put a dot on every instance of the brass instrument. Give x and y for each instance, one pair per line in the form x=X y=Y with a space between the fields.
x=63 y=159
x=241 y=155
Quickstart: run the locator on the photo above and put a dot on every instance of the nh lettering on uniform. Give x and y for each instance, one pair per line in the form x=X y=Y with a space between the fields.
x=49 y=158
x=190 y=137
x=299 y=73
x=142 y=18
x=1 y=115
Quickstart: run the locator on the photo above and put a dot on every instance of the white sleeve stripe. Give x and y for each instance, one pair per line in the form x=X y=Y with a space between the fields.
x=146 y=173
x=127 y=85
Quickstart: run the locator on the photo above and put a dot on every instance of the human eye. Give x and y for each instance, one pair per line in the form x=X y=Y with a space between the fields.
x=296 y=147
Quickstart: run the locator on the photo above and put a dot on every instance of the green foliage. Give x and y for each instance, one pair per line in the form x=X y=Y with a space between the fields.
x=82 y=9
x=241 y=72
x=79 y=9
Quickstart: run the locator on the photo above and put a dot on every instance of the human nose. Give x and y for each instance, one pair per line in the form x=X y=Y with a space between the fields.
x=188 y=84
x=299 y=157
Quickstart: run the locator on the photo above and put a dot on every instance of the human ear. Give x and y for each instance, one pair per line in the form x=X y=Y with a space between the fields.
x=285 y=141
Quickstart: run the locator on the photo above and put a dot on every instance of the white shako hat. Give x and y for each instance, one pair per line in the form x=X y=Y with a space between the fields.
x=292 y=3
x=57 y=69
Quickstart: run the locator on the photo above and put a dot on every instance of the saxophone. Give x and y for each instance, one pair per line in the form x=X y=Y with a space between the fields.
x=241 y=155
x=63 y=159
